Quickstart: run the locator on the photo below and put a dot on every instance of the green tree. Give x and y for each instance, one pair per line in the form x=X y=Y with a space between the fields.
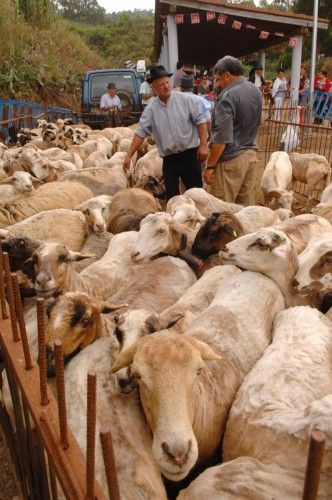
x=86 y=11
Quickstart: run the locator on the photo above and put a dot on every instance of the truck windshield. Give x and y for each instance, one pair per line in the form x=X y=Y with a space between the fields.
x=99 y=84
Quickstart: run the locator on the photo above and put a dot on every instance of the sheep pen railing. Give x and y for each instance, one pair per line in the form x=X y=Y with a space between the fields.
x=302 y=137
x=47 y=460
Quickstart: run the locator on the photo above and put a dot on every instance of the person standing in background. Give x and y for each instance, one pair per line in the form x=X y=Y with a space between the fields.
x=205 y=86
x=178 y=125
x=179 y=73
x=187 y=84
x=111 y=102
x=145 y=91
x=230 y=168
x=256 y=77
x=279 y=90
x=321 y=84
x=304 y=85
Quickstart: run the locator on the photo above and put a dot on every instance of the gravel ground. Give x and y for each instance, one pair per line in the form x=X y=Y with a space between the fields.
x=8 y=488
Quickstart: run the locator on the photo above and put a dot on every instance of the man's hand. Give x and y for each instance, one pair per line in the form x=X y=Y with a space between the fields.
x=208 y=176
x=126 y=163
x=202 y=152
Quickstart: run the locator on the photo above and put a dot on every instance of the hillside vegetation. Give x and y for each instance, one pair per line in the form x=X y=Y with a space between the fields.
x=43 y=55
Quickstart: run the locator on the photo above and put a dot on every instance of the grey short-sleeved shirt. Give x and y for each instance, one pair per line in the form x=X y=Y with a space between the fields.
x=173 y=125
x=237 y=117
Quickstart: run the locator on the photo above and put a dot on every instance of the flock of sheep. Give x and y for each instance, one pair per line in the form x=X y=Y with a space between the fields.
x=202 y=319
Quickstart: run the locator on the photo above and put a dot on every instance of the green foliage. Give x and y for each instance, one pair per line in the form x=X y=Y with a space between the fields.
x=85 y=11
x=128 y=36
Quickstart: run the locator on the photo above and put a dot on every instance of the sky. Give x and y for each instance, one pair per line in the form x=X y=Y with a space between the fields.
x=116 y=6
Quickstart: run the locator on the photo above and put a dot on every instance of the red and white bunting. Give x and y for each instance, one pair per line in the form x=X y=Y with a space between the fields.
x=279 y=33
x=264 y=35
x=210 y=16
x=236 y=25
x=293 y=42
x=179 y=18
x=222 y=19
x=195 y=19
x=250 y=27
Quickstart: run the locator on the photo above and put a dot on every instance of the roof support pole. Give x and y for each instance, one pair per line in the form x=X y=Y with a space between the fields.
x=261 y=59
x=173 y=51
x=295 y=73
x=161 y=56
x=166 y=53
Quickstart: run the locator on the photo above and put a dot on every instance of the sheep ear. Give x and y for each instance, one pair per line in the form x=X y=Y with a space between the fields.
x=205 y=350
x=125 y=358
x=152 y=324
x=74 y=256
x=4 y=233
x=108 y=308
x=9 y=180
x=35 y=180
x=327 y=258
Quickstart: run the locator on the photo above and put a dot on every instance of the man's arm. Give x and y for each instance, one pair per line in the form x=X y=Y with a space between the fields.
x=203 y=147
x=135 y=144
x=215 y=152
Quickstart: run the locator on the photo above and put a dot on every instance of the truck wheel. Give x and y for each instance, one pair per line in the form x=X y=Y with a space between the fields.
x=127 y=99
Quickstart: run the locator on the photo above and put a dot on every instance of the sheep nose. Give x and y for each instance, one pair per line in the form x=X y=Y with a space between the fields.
x=41 y=279
x=134 y=255
x=294 y=283
x=179 y=454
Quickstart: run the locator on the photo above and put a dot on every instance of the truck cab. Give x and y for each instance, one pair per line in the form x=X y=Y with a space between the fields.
x=127 y=82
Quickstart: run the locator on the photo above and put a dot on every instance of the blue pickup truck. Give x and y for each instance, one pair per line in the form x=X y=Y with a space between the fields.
x=127 y=82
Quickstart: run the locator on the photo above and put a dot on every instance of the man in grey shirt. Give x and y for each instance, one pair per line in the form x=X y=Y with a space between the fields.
x=179 y=129
x=230 y=168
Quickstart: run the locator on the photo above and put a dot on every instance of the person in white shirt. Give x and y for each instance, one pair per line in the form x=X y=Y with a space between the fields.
x=146 y=91
x=278 y=93
x=111 y=102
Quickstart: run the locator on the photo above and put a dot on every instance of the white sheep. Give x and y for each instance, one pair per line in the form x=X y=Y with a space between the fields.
x=275 y=181
x=287 y=395
x=187 y=382
x=207 y=203
x=149 y=164
x=315 y=266
x=94 y=212
x=20 y=184
x=183 y=210
x=311 y=169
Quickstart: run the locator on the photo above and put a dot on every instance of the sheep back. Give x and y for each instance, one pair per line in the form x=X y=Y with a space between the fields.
x=127 y=208
x=48 y=197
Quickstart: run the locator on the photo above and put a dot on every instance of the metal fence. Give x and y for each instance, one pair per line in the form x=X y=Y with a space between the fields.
x=15 y=115
x=48 y=462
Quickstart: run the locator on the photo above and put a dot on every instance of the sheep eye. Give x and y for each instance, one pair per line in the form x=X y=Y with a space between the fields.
x=86 y=211
x=161 y=230
x=135 y=374
x=85 y=320
x=63 y=258
x=199 y=371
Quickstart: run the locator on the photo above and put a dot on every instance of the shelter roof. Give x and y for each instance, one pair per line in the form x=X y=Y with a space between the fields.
x=208 y=41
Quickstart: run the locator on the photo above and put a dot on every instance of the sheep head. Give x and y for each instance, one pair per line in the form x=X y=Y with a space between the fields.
x=162 y=389
x=74 y=319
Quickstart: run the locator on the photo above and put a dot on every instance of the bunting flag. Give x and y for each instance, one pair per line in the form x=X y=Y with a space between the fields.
x=264 y=35
x=233 y=23
x=293 y=43
x=236 y=25
x=222 y=19
x=195 y=19
x=179 y=18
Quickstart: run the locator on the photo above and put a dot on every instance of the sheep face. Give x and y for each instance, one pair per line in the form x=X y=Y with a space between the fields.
x=129 y=327
x=152 y=185
x=94 y=212
x=188 y=215
x=218 y=230
x=263 y=251
x=281 y=199
x=44 y=171
x=22 y=182
x=166 y=366
x=158 y=233
x=52 y=263
x=315 y=266
x=74 y=319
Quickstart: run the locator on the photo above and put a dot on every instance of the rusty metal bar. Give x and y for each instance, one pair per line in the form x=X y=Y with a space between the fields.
x=69 y=465
x=21 y=322
x=42 y=351
x=314 y=464
x=90 y=435
x=105 y=435
x=2 y=288
x=61 y=395
x=10 y=297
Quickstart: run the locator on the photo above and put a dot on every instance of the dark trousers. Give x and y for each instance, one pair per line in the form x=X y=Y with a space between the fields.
x=184 y=166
